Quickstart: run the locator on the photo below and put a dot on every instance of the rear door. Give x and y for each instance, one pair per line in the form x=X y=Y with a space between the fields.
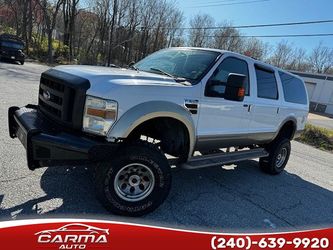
x=265 y=108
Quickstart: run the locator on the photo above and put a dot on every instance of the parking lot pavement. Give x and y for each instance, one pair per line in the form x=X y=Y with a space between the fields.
x=233 y=198
x=321 y=121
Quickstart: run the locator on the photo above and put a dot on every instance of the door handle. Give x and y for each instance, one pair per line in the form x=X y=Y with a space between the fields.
x=248 y=106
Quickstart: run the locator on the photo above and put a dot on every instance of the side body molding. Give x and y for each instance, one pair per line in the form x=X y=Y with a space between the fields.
x=149 y=110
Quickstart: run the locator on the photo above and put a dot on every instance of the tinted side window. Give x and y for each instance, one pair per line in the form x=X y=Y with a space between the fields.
x=293 y=89
x=227 y=66
x=266 y=84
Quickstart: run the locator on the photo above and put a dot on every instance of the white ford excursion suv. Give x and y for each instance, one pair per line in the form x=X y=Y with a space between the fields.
x=133 y=124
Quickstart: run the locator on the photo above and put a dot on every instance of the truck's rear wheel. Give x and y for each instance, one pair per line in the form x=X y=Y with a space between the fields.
x=279 y=153
x=136 y=182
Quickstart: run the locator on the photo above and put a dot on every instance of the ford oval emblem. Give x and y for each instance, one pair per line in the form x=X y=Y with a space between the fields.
x=46 y=95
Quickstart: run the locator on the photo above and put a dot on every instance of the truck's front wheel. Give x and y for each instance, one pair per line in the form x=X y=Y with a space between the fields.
x=136 y=182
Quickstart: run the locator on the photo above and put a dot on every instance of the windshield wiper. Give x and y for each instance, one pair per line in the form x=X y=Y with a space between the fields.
x=131 y=66
x=177 y=79
x=163 y=72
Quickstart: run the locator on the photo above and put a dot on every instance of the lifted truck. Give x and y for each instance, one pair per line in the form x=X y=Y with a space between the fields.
x=176 y=101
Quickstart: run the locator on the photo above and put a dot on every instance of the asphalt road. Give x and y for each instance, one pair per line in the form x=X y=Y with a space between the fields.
x=233 y=198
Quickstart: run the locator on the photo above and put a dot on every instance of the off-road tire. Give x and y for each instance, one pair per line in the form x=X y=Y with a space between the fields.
x=22 y=62
x=277 y=150
x=106 y=178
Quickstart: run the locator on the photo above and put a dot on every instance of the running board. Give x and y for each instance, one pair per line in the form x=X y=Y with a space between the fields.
x=223 y=158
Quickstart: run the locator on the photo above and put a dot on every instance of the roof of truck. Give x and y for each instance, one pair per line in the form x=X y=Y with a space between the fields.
x=9 y=37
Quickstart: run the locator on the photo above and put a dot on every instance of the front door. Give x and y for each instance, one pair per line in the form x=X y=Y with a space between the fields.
x=223 y=123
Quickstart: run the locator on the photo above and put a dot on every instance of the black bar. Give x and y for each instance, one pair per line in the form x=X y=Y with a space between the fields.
x=46 y=142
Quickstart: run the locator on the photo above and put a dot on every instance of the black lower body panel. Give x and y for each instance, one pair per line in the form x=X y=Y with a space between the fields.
x=48 y=144
x=12 y=57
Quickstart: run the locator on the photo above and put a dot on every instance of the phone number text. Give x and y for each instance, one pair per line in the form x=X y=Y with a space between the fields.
x=218 y=242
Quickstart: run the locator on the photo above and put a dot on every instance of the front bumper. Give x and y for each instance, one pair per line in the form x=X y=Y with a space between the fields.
x=12 y=57
x=48 y=144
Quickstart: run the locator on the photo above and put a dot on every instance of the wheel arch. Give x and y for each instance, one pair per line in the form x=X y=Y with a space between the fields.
x=144 y=112
x=288 y=128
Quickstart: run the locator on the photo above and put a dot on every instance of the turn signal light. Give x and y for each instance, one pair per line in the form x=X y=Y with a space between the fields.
x=241 y=92
x=105 y=114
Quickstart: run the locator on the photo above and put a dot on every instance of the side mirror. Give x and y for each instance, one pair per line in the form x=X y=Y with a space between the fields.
x=235 y=87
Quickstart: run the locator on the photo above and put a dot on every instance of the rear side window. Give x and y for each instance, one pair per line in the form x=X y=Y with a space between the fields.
x=293 y=89
x=266 y=84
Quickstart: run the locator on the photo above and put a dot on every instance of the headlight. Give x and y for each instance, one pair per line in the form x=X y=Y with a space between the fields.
x=99 y=115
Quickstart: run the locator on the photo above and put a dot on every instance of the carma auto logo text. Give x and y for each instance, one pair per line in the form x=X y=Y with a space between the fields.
x=73 y=236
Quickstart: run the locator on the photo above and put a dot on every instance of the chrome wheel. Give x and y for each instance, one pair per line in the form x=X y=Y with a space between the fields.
x=134 y=182
x=280 y=159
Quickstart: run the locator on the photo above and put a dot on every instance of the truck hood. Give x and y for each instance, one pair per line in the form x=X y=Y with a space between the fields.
x=131 y=87
x=98 y=75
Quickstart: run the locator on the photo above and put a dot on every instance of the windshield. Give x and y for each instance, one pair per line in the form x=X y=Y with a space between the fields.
x=190 y=64
x=12 y=45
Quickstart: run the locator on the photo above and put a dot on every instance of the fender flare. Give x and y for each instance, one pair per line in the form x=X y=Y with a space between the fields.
x=287 y=119
x=149 y=110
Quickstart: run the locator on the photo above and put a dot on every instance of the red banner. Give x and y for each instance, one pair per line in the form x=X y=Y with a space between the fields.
x=93 y=234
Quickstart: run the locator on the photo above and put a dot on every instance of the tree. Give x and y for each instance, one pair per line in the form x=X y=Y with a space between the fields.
x=69 y=11
x=22 y=14
x=148 y=22
x=176 y=20
x=227 y=38
x=255 y=48
x=282 y=54
x=101 y=9
x=299 y=61
x=50 y=12
x=200 y=35
x=122 y=31
x=321 y=59
x=132 y=19
x=87 y=26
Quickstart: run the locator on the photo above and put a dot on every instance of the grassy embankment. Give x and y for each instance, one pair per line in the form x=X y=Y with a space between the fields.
x=318 y=137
